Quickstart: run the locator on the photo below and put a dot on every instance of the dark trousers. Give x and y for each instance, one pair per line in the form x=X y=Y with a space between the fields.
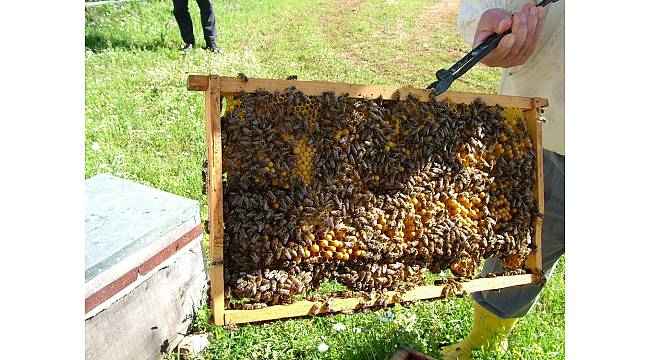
x=182 y=15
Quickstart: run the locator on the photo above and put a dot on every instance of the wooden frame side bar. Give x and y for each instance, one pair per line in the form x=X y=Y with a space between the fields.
x=215 y=196
x=230 y=85
x=304 y=308
x=534 y=125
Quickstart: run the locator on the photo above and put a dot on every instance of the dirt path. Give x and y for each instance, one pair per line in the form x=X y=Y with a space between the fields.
x=441 y=15
x=336 y=25
x=435 y=18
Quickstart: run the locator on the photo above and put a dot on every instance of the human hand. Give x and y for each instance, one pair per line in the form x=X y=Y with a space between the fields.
x=517 y=47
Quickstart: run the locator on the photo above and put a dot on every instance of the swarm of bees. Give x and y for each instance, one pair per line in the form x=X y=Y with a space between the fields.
x=369 y=192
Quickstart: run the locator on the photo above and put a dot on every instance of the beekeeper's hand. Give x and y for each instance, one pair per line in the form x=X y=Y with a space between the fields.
x=515 y=48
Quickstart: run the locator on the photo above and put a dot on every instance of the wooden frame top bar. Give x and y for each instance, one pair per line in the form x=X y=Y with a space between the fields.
x=231 y=85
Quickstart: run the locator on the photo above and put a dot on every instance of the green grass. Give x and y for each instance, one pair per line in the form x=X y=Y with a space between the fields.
x=143 y=125
x=377 y=335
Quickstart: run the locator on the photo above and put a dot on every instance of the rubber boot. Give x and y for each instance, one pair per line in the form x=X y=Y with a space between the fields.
x=489 y=332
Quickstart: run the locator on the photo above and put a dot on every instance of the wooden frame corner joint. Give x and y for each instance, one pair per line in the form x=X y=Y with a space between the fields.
x=538 y=103
x=539 y=278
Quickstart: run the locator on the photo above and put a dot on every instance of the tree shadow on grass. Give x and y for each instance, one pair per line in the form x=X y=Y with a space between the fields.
x=97 y=43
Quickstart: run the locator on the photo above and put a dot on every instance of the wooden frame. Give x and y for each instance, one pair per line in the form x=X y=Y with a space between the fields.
x=216 y=87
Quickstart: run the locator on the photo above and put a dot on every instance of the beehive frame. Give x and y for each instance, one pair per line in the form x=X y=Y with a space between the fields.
x=216 y=87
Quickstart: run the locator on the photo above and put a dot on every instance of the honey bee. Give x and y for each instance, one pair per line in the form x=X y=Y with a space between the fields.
x=243 y=77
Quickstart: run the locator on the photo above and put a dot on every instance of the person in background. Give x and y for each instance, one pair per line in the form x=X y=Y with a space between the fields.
x=532 y=58
x=182 y=15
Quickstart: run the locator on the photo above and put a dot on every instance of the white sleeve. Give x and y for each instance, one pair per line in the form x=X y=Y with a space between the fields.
x=471 y=11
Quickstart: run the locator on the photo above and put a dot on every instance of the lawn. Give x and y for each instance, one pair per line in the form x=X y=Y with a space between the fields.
x=143 y=125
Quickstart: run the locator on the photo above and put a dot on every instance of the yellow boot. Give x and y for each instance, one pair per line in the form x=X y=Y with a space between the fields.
x=489 y=332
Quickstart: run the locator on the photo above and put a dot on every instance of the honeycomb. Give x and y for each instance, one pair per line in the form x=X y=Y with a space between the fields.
x=369 y=192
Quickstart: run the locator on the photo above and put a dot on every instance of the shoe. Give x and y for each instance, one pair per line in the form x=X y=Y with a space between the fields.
x=212 y=46
x=187 y=48
x=489 y=332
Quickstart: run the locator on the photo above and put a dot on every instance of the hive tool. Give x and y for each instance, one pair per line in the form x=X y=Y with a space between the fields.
x=447 y=76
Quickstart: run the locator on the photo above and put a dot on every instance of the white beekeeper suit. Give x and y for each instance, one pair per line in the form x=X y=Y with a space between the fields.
x=542 y=75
